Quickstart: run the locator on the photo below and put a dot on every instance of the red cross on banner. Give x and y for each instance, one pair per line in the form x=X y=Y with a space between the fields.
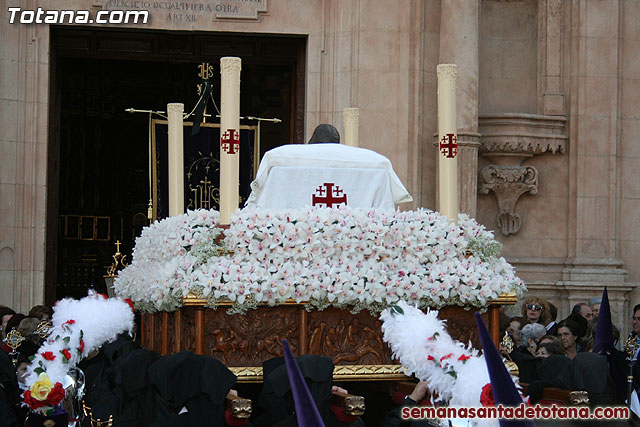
x=230 y=141
x=328 y=195
x=449 y=145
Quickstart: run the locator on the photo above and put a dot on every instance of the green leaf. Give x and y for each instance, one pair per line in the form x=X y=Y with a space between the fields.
x=38 y=370
x=453 y=374
x=66 y=340
x=395 y=309
x=436 y=335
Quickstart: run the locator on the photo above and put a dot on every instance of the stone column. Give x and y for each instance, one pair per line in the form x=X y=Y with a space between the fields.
x=24 y=92
x=595 y=227
x=459 y=22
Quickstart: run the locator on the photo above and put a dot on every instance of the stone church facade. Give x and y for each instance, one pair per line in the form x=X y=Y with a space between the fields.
x=547 y=120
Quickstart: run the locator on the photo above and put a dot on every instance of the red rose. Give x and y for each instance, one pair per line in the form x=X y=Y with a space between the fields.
x=446 y=357
x=464 y=357
x=430 y=357
x=81 y=346
x=486 y=397
x=33 y=403
x=55 y=395
x=69 y=322
x=48 y=355
x=66 y=353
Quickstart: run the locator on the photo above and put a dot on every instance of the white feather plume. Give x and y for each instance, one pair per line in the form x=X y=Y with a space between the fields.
x=455 y=373
x=79 y=327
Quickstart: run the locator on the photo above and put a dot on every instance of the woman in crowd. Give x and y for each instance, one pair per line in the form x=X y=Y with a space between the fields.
x=549 y=347
x=535 y=310
x=567 y=332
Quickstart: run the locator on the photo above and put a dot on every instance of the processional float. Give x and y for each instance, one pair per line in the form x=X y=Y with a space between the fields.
x=198 y=310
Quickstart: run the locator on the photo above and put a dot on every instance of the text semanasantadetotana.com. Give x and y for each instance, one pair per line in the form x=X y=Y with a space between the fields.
x=521 y=412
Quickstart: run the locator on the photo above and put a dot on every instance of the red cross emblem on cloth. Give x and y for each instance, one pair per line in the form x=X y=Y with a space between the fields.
x=449 y=145
x=328 y=195
x=230 y=141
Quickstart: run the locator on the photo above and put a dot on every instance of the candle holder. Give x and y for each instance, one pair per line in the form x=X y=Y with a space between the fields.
x=43 y=330
x=14 y=339
x=119 y=262
x=506 y=347
x=631 y=348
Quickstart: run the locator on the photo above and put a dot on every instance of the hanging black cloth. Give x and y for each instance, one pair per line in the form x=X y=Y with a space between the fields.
x=100 y=374
x=134 y=386
x=554 y=371
x=276 y=398
x=199 y=384
x=10 y=415
x=527 y=365
x=204 y=99
x=591 y=373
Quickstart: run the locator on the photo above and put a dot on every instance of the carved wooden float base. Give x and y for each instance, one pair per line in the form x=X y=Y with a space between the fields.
x=243 y=342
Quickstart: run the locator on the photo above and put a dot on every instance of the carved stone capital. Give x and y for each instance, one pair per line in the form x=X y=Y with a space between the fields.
x=522 y=133
x=508 y=183
x=507 y=139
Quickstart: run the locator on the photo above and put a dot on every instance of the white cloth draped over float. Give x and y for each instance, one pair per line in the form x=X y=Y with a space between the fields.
x=289 y=176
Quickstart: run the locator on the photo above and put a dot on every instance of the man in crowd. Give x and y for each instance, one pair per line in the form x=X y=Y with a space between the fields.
x=594 y=303
x=552 y=326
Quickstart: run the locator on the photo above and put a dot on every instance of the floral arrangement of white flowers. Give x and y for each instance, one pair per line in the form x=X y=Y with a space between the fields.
x=318 y=256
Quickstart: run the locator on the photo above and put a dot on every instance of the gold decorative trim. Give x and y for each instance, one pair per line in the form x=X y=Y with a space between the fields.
x=368 y=372
x=249 y=374
x=506 y=299
x=191 y=300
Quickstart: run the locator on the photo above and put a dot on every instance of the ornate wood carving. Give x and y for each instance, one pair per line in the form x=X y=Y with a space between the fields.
x=247 y=340
x=348 y=339
x=461 y=324
x=243 y=342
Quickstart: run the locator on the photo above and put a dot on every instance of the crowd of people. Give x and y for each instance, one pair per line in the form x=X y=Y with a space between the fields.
x=14 y=362
x=126 y=385
x=548 y=353
x=565 y=354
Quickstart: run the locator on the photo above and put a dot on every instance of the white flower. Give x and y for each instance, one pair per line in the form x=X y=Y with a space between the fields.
x=345 y=256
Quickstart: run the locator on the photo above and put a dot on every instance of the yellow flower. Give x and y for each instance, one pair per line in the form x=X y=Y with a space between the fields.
x=41 y=388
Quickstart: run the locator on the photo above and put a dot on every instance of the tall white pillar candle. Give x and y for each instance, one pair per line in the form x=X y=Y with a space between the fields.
x=176 y=159
x=351 y=119
x=229 y=136
x=447 y=142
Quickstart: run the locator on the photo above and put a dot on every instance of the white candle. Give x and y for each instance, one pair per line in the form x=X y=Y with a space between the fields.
x=176 y=159
x=229 y=133
x=447 y=142
x=351 y=119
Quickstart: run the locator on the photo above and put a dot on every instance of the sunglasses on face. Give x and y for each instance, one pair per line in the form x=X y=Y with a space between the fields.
x=534 y=307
